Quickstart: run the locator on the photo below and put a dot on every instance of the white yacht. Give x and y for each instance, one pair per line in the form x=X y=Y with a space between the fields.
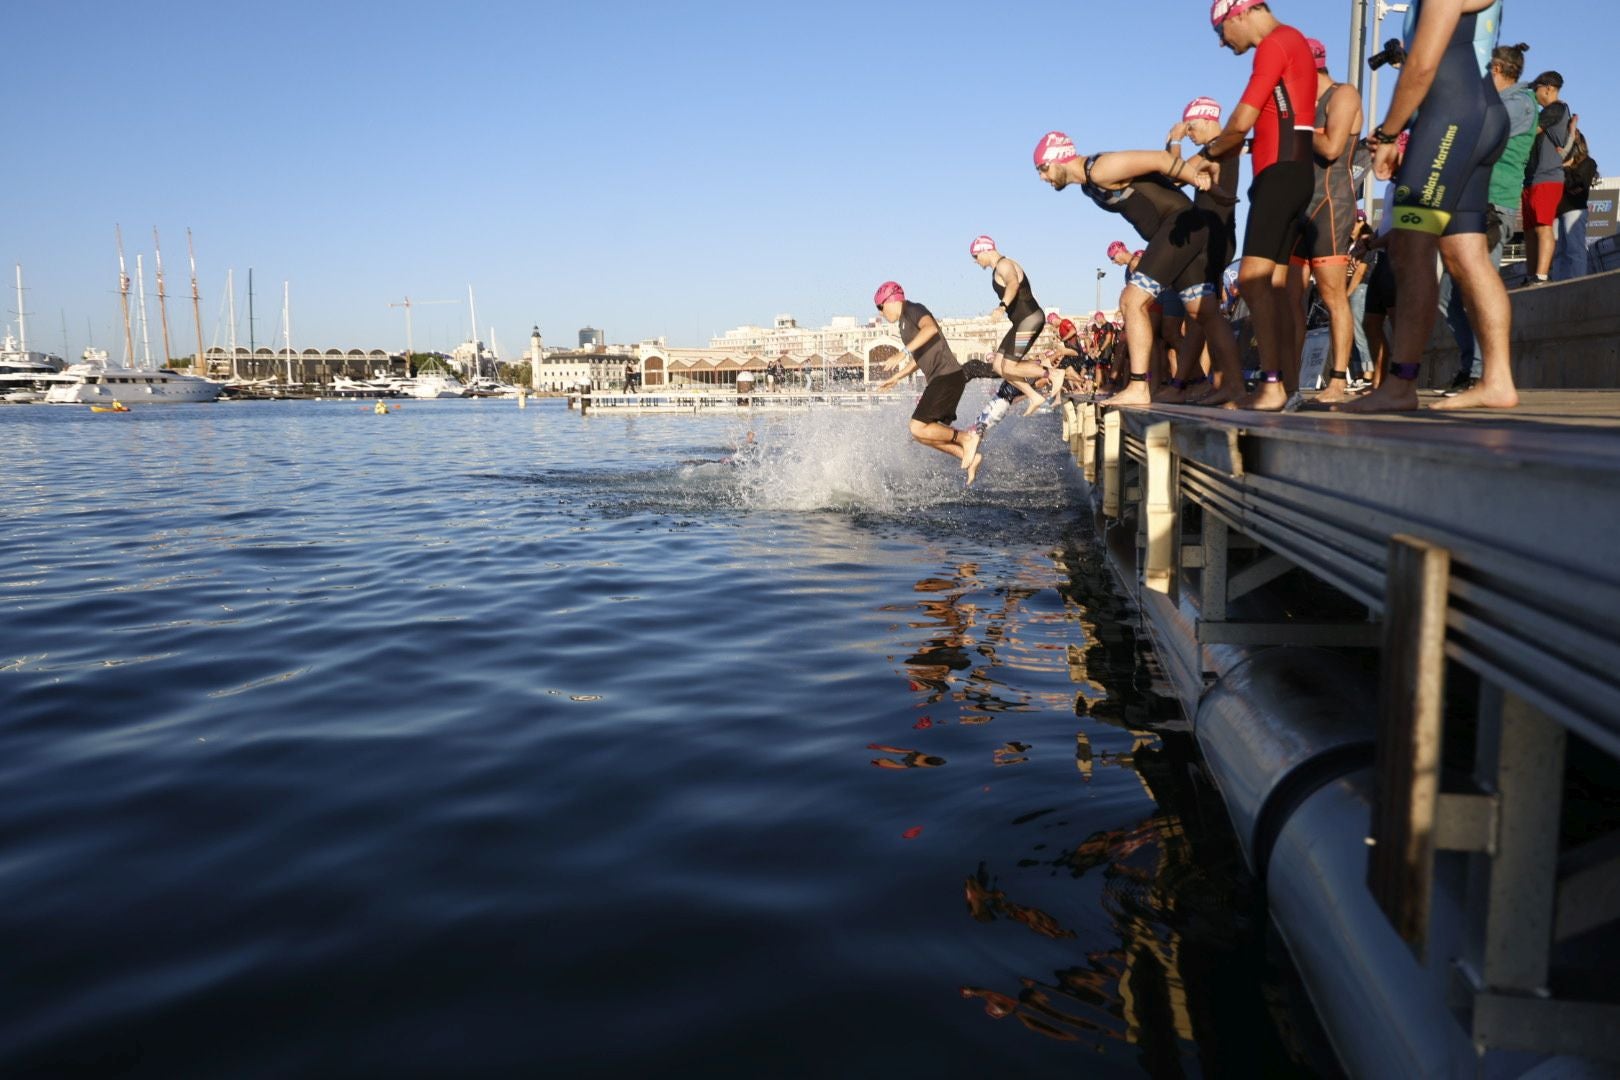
x=432 y=384
x=95 y=382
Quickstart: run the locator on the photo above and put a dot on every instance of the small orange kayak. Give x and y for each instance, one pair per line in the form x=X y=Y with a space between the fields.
x=116 y=406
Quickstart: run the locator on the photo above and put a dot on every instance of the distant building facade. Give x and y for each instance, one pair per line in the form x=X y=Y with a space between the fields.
x=592 y=338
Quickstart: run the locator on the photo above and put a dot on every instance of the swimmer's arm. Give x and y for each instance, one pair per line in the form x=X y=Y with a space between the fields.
x=927 y=330
x=1119 y=167
x=905 y=369
x=1344 y=120
x=1435 y=26
x=1014 y=278
x=1230 y=140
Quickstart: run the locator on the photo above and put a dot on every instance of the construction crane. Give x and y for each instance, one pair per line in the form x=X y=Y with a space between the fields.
x=407 y=304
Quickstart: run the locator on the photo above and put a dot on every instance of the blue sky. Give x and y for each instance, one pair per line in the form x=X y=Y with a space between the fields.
x=649 y=168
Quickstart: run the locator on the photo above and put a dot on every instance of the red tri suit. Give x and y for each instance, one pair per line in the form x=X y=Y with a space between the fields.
x=1283 y=88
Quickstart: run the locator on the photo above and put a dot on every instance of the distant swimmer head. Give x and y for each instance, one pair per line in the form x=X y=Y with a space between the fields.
x=1052 y=153
x=1118 y=252
x=1099 y=319
x=888 y=298
x=1051 y=318
x=981 y=246
x=1318 y=53
x=1231 y=28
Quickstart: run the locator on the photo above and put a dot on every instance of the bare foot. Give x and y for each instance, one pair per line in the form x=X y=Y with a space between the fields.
x=1481 y=396
x=970 y=447
x=1170 y=395
x=1391 y=395
x=1267 y=397
x=1134 y=394
x=973 y=468
x=1335 y=391
x=1035 y=401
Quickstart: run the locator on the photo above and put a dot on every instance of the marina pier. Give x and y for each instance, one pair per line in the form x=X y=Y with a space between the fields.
x=1398 y=642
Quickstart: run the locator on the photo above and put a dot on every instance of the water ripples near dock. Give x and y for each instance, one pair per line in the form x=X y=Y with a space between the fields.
x=484 y=741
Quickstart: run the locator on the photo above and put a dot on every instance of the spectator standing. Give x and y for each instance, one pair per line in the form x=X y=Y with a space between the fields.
x=1507 y=175
x=1580 y=172
x=1544 y=175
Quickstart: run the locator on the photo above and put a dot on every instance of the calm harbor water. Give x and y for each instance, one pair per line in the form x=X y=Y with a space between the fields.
x=482 y=741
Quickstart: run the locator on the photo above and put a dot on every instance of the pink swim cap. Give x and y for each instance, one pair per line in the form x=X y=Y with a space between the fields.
x=1054 y=148
x=1099 y=318
x=1117 y=248
x=1318 y=53
x=1138 y=253
x=1221 y=10
x=889 y=290
x=1204 y=108
x=1051 y=317
x=980 y=244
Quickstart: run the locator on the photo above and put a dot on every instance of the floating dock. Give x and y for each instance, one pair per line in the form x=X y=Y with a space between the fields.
x=1398 y=642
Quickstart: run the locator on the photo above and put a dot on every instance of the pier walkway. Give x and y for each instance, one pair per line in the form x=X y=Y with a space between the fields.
x=1398 y=640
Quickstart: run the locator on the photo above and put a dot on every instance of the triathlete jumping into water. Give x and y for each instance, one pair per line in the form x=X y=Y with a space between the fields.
x=1011 y=285
x=1139 y=186
x=925 y=350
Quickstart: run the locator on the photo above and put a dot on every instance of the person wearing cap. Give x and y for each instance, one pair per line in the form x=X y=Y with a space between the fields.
x=1012 y=288
x=1210 y=329
x=1323 y=250
x=1140 y=186
x=925 y=349
x=1442 y=189
x=1277 y=107
x=1544 y=174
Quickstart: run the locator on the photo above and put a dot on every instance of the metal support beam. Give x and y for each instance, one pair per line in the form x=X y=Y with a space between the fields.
x=1400 y=870
x=1466 y=823
x=1216 y=544
x=1580 y=1029
x=1589 y=895
x=1529 y=782
x=1250 y=578
x=1159 y=565
x=1111 y=478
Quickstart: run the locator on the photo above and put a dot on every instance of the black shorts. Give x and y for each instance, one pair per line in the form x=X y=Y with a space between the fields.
x=940 y=398
x=1175 y=257
x=1278 y=199
x=1381 y=285
x=978 y=369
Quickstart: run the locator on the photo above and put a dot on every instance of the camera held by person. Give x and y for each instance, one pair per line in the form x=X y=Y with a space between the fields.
x=1393 y=52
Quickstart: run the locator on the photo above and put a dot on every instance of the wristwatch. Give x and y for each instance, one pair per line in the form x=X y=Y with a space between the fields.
x=1380 y=137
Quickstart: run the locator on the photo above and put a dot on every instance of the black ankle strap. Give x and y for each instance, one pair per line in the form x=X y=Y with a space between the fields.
x=1139 y=378
x=1338 y=376
x=1409 y=372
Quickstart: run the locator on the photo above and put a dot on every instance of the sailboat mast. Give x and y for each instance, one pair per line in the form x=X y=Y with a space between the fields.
x=163 y=308
x=123 y=299
x=230 y=292
x=472 y=312
x=22 y=316
x=140 y=293
x=201 y=367
x=286 y=323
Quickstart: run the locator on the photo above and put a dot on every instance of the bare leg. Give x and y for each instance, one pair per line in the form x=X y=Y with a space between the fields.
x=1299 y=282
x=1333 y=284
x=1374 y=326
x=1418 y=286
x=1544 y=249
x=1273 y=330
x=941 y=437
x=1140 y=337
x=1491 y=315
x=1226 y=366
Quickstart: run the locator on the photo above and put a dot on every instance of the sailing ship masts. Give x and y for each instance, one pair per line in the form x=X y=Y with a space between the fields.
x=163 y=309
x=123 y=298
x=286 y=323
x=140 y=293
x=230 y=303
x=201 y=367
x=22 y=315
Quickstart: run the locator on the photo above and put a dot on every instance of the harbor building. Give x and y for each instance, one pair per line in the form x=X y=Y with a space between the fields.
x=592 y=338
x=301 y=365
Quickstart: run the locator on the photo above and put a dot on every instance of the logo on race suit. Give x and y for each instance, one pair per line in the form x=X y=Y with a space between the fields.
x=1402 y=193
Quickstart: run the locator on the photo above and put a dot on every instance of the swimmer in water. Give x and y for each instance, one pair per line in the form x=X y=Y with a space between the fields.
x=925 y=350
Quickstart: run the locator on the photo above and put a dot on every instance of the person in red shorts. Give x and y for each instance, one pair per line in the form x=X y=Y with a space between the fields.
x=1279 y=107
x=1544 y=173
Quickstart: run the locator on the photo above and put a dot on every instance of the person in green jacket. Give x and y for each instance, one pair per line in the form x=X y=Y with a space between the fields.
x=1507 y=177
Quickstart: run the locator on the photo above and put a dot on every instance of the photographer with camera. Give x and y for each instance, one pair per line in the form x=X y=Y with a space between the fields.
x=1441 y=193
